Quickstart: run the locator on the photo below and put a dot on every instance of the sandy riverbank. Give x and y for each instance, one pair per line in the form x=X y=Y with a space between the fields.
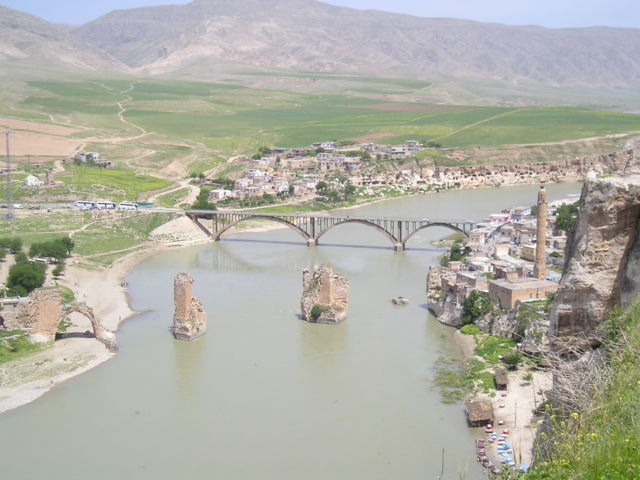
x=515 y=407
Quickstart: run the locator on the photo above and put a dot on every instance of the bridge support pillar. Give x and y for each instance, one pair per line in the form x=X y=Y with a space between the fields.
x=398 y=247
x=311 y=242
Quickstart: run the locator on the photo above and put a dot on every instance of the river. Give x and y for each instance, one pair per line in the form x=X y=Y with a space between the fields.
x=264 y=395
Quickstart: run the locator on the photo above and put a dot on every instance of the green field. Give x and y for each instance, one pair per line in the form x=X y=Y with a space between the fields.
x=231 y=118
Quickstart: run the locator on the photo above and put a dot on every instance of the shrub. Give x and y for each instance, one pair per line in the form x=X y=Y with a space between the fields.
x=512 y=359
x=470 y=329
x=57 y=271
x=316 y=311
x=25 y=277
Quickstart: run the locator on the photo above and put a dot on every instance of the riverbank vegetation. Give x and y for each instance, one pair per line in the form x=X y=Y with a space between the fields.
x=599 y=439
x=15 y=344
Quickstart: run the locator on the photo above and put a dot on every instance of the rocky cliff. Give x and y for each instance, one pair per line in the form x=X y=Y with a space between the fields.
x=190 y=319
x=325 y=295
x=618 y=163
x=603 y=260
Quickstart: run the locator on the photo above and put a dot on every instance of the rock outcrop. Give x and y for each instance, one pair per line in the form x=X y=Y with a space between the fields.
x=603 y=261
x=325 y=295
x=190 y=319
x=473 y=176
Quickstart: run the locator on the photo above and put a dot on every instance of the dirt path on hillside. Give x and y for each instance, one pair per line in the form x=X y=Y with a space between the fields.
x=475 y=124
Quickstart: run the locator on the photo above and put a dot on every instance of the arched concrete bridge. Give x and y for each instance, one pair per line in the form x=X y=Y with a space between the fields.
x=312 y=227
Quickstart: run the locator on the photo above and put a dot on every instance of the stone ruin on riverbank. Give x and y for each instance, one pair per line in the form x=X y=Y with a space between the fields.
x=325 y=295
x=42 y=311
x=190 y=319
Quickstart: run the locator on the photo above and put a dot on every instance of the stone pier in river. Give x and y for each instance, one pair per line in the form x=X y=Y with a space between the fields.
x=325 y=295
x=190 y=319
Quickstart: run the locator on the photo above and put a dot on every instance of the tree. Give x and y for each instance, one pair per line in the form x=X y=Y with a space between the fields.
x=349 y=190
x=566 y=215
x=26 y=276
x=321 y=186
x=15 y=244
x=3 y=253
x=68 y=243
x=202 y=201
x=474 y=307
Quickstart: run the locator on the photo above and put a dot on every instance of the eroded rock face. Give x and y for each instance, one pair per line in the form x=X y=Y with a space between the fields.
x=472 y=176
x=325 y=295
x=190 y=319
x=603 y=261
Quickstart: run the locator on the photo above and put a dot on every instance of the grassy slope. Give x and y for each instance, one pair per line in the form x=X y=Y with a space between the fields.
x=603 y=444
x=231 y=119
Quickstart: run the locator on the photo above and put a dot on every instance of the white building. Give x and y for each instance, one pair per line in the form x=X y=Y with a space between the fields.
x=32 y=181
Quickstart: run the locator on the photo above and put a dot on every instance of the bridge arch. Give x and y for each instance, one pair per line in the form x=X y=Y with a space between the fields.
x=391 y=238
x=435 y=224
x=292 y=226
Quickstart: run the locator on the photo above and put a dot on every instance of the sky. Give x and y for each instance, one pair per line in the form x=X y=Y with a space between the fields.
x=548 y=13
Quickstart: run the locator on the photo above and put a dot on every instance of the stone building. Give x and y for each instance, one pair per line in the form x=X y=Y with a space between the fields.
x=510 y=292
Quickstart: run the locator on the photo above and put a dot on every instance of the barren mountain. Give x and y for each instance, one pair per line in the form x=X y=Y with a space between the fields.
x=310 y=35
x=29 y=39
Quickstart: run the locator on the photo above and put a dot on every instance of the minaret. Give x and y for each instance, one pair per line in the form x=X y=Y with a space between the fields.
x=540 y=268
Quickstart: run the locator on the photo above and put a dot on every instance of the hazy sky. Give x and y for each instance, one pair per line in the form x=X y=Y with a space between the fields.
x=549 y=13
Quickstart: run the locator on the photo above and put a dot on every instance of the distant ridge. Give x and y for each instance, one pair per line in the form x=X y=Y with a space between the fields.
x=311 y=35
x=28 y=39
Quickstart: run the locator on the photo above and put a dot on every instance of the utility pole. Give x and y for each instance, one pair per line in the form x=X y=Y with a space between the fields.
x=9 y=214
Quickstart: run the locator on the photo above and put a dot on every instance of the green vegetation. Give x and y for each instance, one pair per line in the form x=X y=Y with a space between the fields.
x=25 y=276
x=602 y=442
x=475 y=306
x=491 y=348
x=316 y=311
x=171 y=199
x=59 y=249
x=124 y=184
x=457 y=253
x=470 y=329
x=67 y=294
x=15 y=344
x=227 y=119
x=566 y=215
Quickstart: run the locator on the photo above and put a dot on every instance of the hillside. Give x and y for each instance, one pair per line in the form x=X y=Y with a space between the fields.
x=314 y=36
x=30 y=40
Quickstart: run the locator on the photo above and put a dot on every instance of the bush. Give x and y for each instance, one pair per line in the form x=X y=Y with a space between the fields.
x=512 y=359
x=316 y=311
x=25 y=277
x=470 y=329
x=57 y=271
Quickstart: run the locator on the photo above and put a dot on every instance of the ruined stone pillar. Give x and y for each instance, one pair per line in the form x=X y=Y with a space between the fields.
x=44 y=314
x=327 y=287
x=540 y=268
x=190 y=319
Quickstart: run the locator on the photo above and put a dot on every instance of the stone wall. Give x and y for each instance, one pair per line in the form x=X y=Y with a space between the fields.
x=41 y=313
x=190 y=319
x=328 y=290
x=603 y=260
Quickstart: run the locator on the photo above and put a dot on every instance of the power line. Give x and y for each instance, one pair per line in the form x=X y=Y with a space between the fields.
x=9 y=215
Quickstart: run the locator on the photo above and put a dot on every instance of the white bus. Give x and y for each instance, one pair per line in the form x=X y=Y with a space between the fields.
x=127 y=206
x=105 y=205
x=84 y=205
